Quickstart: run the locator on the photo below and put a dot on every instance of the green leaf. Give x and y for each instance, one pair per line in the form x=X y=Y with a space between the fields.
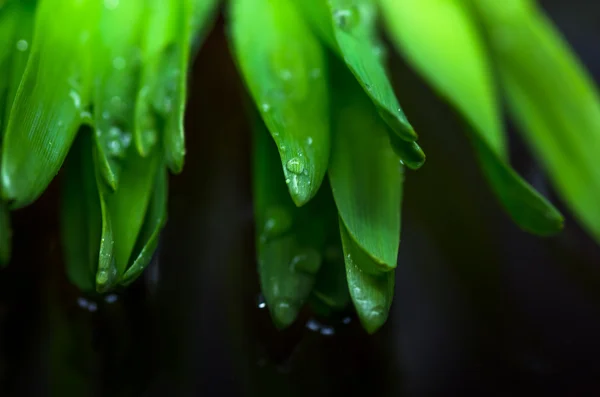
x=442 y=41
x=124 y=211
x=55 y=88
x=366 y=176
x=283 y=65
x=349 y=28
x=160 y=107
x=202 y=17
x=289 y=239
x=330 y=292
x=372 y=294
x=117 y=68
x=155 y=220
x=80 y=214
x=552 y=98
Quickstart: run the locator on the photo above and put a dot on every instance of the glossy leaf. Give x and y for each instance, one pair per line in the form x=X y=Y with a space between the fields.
x=47 y=109
x=116 y=62
x=442 y=41
x=349 y=27
x=289 y=239
x=552 y=98
x=80 y=214
x=372 y=293
x=155 y=220
x=160 y=104
x=283 y=65
x=366 y=176
x=124 y=211
x=24 y=16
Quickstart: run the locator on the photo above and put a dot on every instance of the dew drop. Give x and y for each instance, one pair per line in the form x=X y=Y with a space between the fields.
x=119 y=63
x=285 y=74
x=76 y=99
x=309 y=140
x=265 y=107
x=22 y=45
x=111 y=4
x=315 y=73
x=295 y=165
x=346 y=18
x=112 y=298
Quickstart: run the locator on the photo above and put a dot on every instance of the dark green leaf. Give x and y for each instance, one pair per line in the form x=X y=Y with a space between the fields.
x=80 y=214
x=283 y=66
x=289 y=239
x=331 y=288
x=443 y=42
x=349 y=28
x=47 y=109
x=203 y=14
x=366 y=176
x=552 y=98
x=372 y=294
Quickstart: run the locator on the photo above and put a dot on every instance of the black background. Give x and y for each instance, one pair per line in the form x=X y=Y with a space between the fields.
x=481 y=308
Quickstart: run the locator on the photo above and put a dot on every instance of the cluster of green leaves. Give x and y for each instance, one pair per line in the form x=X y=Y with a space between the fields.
x=315 y=70
x=99 y=85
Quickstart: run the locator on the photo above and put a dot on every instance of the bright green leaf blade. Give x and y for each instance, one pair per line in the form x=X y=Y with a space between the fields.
x=349 y=27
x=47 y=109
x=366 y=176
x=157 y=35
x=107 y=273
x=442 y=41
x=283 y=65
x=552 y=98
x=156 y=218
x=125 y=209
x=22 y=39
x=289 y=239
x=117 y=67
x=172 y=92
x=160 y=107
x=372 y=294
x=80 y=214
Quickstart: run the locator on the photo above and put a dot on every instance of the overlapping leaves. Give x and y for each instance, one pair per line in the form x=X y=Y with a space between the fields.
x=121 y=69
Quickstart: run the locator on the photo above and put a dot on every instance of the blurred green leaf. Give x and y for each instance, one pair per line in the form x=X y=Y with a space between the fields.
x=552 y=98
x=330 y=292
x=442 y=41
x=117 y=66
x=372 y=294
x=349 y=28
x=366 y=176
x=203 y=14
x=53 y=92
x=154 y=222
x=80 y=214
x=289 y=239
x=124 y=211
x=283 y=65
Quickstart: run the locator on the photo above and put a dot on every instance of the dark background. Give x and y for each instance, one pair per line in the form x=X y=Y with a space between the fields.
x=481 y=308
